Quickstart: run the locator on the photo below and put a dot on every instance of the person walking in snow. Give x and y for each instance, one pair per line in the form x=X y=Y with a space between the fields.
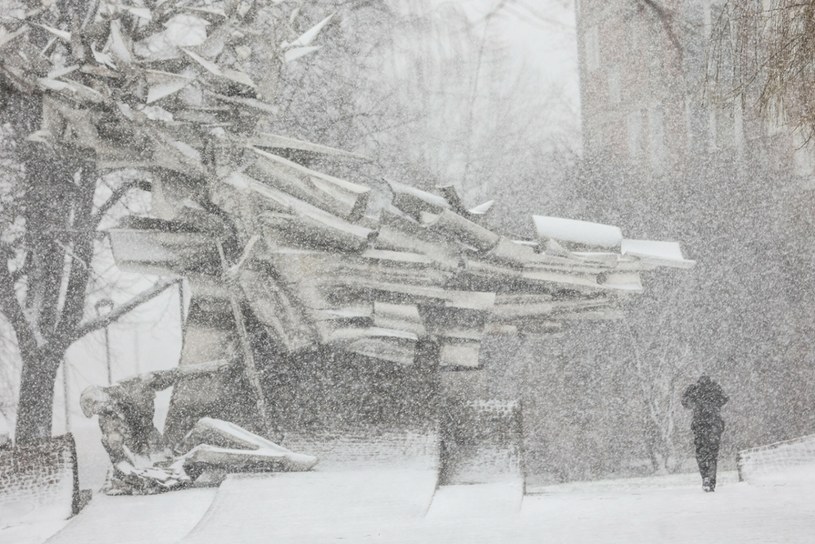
x=706 y=398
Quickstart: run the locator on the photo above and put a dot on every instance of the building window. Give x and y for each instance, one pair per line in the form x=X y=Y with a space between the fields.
x=614 y=94
x=725 y=126
x=707 y=18
x=803 y=154
x=656 y=137
x=738 y=125
x=689 y=123
x=633 y=126
x=592 y=43
x=711 y=127
x=776 y=117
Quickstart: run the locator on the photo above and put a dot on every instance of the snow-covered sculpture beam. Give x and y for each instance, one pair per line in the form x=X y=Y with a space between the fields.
x=289 y=266
x=327 y=274
x=416 y=282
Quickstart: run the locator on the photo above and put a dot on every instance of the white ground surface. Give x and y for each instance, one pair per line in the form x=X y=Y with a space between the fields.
x=395 y=506
x=313 y=506
x=156 y=519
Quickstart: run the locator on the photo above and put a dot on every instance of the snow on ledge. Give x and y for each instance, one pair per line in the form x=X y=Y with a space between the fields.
x=656 y=252
x=580 y=232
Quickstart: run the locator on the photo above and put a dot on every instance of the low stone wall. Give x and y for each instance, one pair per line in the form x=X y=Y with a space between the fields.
x=369 y=448
x=776 y=459
x=39 y=481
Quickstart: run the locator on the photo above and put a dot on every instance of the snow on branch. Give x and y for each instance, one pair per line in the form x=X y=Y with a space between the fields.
x=118 y=311
x=117 y=195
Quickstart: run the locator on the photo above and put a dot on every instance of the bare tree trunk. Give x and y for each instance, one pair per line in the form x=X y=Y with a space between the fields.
x=58 y=214
x=35 y=409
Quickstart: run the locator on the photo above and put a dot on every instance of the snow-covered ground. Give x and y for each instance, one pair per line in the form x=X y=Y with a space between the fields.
x=675 y=510
x=389 y=506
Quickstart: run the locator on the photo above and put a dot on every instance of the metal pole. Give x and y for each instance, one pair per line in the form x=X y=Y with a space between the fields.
x=249 y=367
x=181 y=301
x=181 y=317
x=65 y=395
x=136 y=363
x=101 y=306
x=107 y=355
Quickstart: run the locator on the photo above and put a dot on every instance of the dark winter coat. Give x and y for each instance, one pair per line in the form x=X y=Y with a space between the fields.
x=127 y=420
x=706 y=399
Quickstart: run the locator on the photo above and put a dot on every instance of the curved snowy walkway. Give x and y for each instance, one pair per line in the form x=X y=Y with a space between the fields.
x=313 y=506
x=736 y=513
x=145 y=519
x=393 y=505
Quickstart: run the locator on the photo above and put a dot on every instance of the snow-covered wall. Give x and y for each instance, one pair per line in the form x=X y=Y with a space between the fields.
x=39 y=481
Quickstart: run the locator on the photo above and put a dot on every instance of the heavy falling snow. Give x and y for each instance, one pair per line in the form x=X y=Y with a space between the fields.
x=407 y=271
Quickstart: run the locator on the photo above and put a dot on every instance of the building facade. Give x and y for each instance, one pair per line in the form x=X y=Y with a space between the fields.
x=670 y=147
x=657 y=94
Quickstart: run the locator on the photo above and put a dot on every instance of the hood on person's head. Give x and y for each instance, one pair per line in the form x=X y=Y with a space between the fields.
x=704 y=379
x=92 y=399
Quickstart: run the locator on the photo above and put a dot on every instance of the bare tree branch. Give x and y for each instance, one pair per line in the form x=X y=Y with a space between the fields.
x=13 y=311
x=117 y=195
x=666 y=19
x=18 y=274
x=145 y=296
x=81 y=256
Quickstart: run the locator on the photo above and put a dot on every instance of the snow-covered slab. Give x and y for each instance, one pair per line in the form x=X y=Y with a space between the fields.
x=579 y=232
x=463 y=502
x=414 y=201
x=137 y=519
x=514 y=307
x=292 y=218
x=454 y=227
x=389 y=349
x=621 y=281
x=334 y=195
x=314 y=507
x=512 y=252
x=314 y=230
x=161 y=250
x=399 y=316
x=265 y=139
x=656 y=252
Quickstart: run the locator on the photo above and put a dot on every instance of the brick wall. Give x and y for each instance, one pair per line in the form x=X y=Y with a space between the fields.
x=371 y=447
x=39 y=481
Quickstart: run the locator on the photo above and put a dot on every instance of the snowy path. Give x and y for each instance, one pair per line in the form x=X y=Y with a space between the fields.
x=736 y=513
x=461 y=502
x=313 y=506
x=153 y=519
x=390 y=505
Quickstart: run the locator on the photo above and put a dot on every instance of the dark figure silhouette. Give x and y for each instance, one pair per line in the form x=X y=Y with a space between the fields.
x=706 y=398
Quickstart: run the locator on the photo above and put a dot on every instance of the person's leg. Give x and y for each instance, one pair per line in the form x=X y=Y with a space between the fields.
x=217 y=432
x=704 y=456
x=715 y=442
x=702 y=459
x=206 y=457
